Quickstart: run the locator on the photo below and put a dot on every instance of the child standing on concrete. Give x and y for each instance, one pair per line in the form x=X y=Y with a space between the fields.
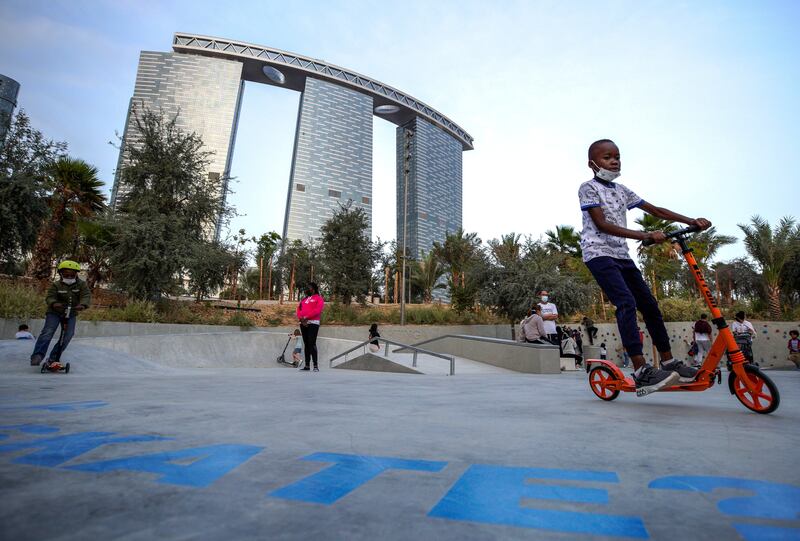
x=794 y=348
x=297 y=352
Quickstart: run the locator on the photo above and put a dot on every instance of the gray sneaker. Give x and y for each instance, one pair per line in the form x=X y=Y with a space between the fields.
x=652 y=379
x=686 y=373
x=36 y=360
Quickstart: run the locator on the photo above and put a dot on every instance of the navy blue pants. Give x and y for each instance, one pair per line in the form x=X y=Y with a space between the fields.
x=624 y=286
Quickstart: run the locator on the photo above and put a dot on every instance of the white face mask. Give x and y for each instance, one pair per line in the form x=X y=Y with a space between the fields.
x=69 y=281
x=545 y=298
x=605 y=174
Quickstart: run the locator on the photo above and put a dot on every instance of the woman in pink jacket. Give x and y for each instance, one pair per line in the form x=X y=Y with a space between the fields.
x=308 y=312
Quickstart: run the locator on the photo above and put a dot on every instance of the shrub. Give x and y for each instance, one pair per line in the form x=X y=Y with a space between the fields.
x=239 y=319
x=20 y=301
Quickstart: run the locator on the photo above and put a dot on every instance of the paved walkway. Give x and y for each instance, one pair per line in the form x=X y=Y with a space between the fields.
x=140 y=451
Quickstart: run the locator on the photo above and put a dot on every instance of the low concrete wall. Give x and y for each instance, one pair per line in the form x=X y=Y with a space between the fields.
x=404 y=334
x=213 y=350
x=769 y=345
x=517 y=356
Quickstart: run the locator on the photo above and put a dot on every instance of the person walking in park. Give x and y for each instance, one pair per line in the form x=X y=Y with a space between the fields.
x=550 y=316
x=591 y=330
x=68 y=294
x=604 y=205
x=702 y=337
x=309 y=312
x=794 y=348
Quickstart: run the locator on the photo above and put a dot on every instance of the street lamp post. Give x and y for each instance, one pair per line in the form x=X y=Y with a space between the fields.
x=406 y=169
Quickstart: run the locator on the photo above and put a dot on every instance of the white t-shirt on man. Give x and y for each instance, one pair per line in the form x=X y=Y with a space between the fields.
x=547 y=309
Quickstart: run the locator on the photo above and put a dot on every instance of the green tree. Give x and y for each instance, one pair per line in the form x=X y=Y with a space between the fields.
x=564 y=240
x=772 y=249
x=169 y=205
x=207 y=268
x=460 y=252
x=510 y=286
x=25 y=159
x=298 y=265
x=426 y=276
x=75 y=189
x=661 y=263
x=266 y=246
x=94 y=248
x=347 y=253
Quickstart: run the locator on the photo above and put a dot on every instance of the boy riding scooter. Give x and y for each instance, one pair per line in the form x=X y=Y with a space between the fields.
x=65 y=298
x=605 y=204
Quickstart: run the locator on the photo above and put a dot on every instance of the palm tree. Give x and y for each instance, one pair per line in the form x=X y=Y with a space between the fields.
x=457 y=251
x=508 y=250
x=771 y=249
x=660 y=262
x=76 y=192
x=427 y=272
x=564 y=240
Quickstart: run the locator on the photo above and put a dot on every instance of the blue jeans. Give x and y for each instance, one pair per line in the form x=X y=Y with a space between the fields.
x=52 y=323
x=624 y=286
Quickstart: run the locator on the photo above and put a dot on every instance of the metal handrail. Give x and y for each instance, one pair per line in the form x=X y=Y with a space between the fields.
x=478 y=338
x=386 y=342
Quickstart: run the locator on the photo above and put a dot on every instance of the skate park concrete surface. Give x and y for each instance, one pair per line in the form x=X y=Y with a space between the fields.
x=207 y=437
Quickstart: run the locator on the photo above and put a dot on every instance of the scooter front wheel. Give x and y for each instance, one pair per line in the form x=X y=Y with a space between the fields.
x=764 y=399
x=599 y=379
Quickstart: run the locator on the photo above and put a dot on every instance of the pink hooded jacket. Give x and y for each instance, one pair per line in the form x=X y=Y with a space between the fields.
x=311 y=307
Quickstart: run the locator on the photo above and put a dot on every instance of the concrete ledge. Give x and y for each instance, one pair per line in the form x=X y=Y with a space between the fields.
x=516 y=356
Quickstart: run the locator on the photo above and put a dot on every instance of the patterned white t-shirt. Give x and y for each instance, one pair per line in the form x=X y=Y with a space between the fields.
x=615 y=200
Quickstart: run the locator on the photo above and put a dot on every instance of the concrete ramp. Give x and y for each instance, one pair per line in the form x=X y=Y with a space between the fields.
x=84 y=359
x=134 y=354
x=375 y=363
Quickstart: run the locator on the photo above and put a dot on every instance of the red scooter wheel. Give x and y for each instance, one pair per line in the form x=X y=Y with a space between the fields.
x=764 y=399
x=599 y=378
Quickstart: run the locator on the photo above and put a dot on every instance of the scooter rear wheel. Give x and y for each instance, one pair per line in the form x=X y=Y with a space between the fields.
x=766 y=397
x=599 y=378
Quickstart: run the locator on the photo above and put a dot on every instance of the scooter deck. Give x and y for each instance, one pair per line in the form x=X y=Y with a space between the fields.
x=703 y=381
x=53 y=370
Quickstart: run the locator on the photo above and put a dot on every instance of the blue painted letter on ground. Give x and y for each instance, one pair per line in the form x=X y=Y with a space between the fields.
x=54 y=451
x=210 y=464
x=347 y=474
x=494 y=495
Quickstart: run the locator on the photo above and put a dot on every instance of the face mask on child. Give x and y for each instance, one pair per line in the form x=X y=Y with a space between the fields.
x=605 y=174
x=545 y=298
x=68 y=281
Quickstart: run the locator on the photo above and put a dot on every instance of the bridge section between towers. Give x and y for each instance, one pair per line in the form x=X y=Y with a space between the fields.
x=293 y=69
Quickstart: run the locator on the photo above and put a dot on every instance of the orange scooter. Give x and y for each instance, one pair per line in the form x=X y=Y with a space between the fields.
x=746 y=381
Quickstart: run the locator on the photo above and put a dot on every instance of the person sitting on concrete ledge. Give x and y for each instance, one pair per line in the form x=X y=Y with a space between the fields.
x=533 y=329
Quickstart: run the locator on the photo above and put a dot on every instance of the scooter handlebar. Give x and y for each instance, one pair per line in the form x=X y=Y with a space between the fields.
x=675 y=234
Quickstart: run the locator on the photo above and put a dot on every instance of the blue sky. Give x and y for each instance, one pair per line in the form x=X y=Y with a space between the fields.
x=702 y=97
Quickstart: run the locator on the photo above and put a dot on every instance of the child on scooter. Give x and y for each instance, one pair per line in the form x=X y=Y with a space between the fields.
x=68 y=292
x=604 y=205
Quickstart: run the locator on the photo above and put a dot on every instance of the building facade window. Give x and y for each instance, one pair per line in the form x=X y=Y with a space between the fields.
x=300 y=187
x=365 y=200
x=334 y=193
